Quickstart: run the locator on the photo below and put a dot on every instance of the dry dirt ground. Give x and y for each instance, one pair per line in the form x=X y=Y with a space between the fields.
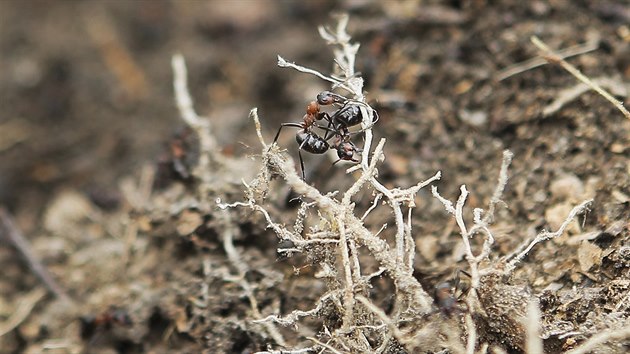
x=96 y=171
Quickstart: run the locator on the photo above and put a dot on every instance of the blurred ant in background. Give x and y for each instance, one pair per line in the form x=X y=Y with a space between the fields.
x=447 y=296
x=112 y=317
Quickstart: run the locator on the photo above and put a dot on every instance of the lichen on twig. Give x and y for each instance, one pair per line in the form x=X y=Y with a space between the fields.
x=338 y=216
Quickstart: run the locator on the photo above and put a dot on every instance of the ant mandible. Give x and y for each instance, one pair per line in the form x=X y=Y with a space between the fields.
x=311 y=142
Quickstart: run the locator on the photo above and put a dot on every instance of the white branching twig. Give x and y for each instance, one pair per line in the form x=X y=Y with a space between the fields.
x=340 y=214
x=242 y=268
x=292 y=318
x=518 y=255
x=202 y=170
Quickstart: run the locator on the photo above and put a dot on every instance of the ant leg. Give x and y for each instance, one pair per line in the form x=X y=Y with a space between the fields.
x=301 y=164
x=343 y=134
x=328 y=130
x=301 y=159
x=296 y=125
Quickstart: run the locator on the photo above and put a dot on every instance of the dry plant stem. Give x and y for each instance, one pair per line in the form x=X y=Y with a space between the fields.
x=292 y=318
x=200 y=125
x=534 y=344
x=324 y=345
x=517 y=256
x=554 y=58
x=501 y=183
x=242 y=268
x=348 y=298
x=404 y=281
x=458 y=212
x=24 y=308
x=471 y=341
x=283 y=63
x=15 y=238
x=400 y=337
x=601 y=338
x=533 y=63
x=569 y=94
x=345 y=58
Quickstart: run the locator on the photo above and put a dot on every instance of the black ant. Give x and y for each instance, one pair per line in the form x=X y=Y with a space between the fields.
x=347 y=116
x=311 y=142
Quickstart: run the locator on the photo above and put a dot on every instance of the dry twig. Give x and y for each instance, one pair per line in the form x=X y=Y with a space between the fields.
x=533 y=63
x=15 y=238
x=202 y=170
x=601 y=338
x=24 y=308
x=524 y=249
x=534 y=344
x=554 y=58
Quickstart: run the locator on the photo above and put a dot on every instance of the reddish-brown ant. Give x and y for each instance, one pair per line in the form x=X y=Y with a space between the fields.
x=311 y=142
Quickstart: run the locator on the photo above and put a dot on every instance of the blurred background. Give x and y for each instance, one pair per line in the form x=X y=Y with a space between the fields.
x=86 y=87
x=86 y=99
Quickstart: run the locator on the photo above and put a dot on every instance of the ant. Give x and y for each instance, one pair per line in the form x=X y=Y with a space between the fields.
x=347 y=116
x=112 y=317
x=311 y=142
x=447 y=296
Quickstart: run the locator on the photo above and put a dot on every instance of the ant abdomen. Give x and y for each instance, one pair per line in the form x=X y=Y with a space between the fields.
x=348 y=116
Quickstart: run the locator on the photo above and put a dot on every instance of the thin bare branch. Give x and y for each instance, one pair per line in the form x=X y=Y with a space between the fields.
x=554 y=58
x=533 y=63
x=543 y=236
x=22 y=310
x=15 y=237
x=601 y=338
x=534 y=344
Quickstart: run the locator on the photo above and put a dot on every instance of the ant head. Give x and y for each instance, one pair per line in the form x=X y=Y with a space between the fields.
x=326 y=98
x=312 y=108
x=346 y=151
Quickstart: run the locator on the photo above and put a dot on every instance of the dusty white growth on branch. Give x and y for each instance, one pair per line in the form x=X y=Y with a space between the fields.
x=544 y=235
x=343 y=211
x=208 y=153
x=481 y=226
x=339 y=225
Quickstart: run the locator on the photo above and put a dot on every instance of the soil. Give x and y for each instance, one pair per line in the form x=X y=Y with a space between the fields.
x=96 y=165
